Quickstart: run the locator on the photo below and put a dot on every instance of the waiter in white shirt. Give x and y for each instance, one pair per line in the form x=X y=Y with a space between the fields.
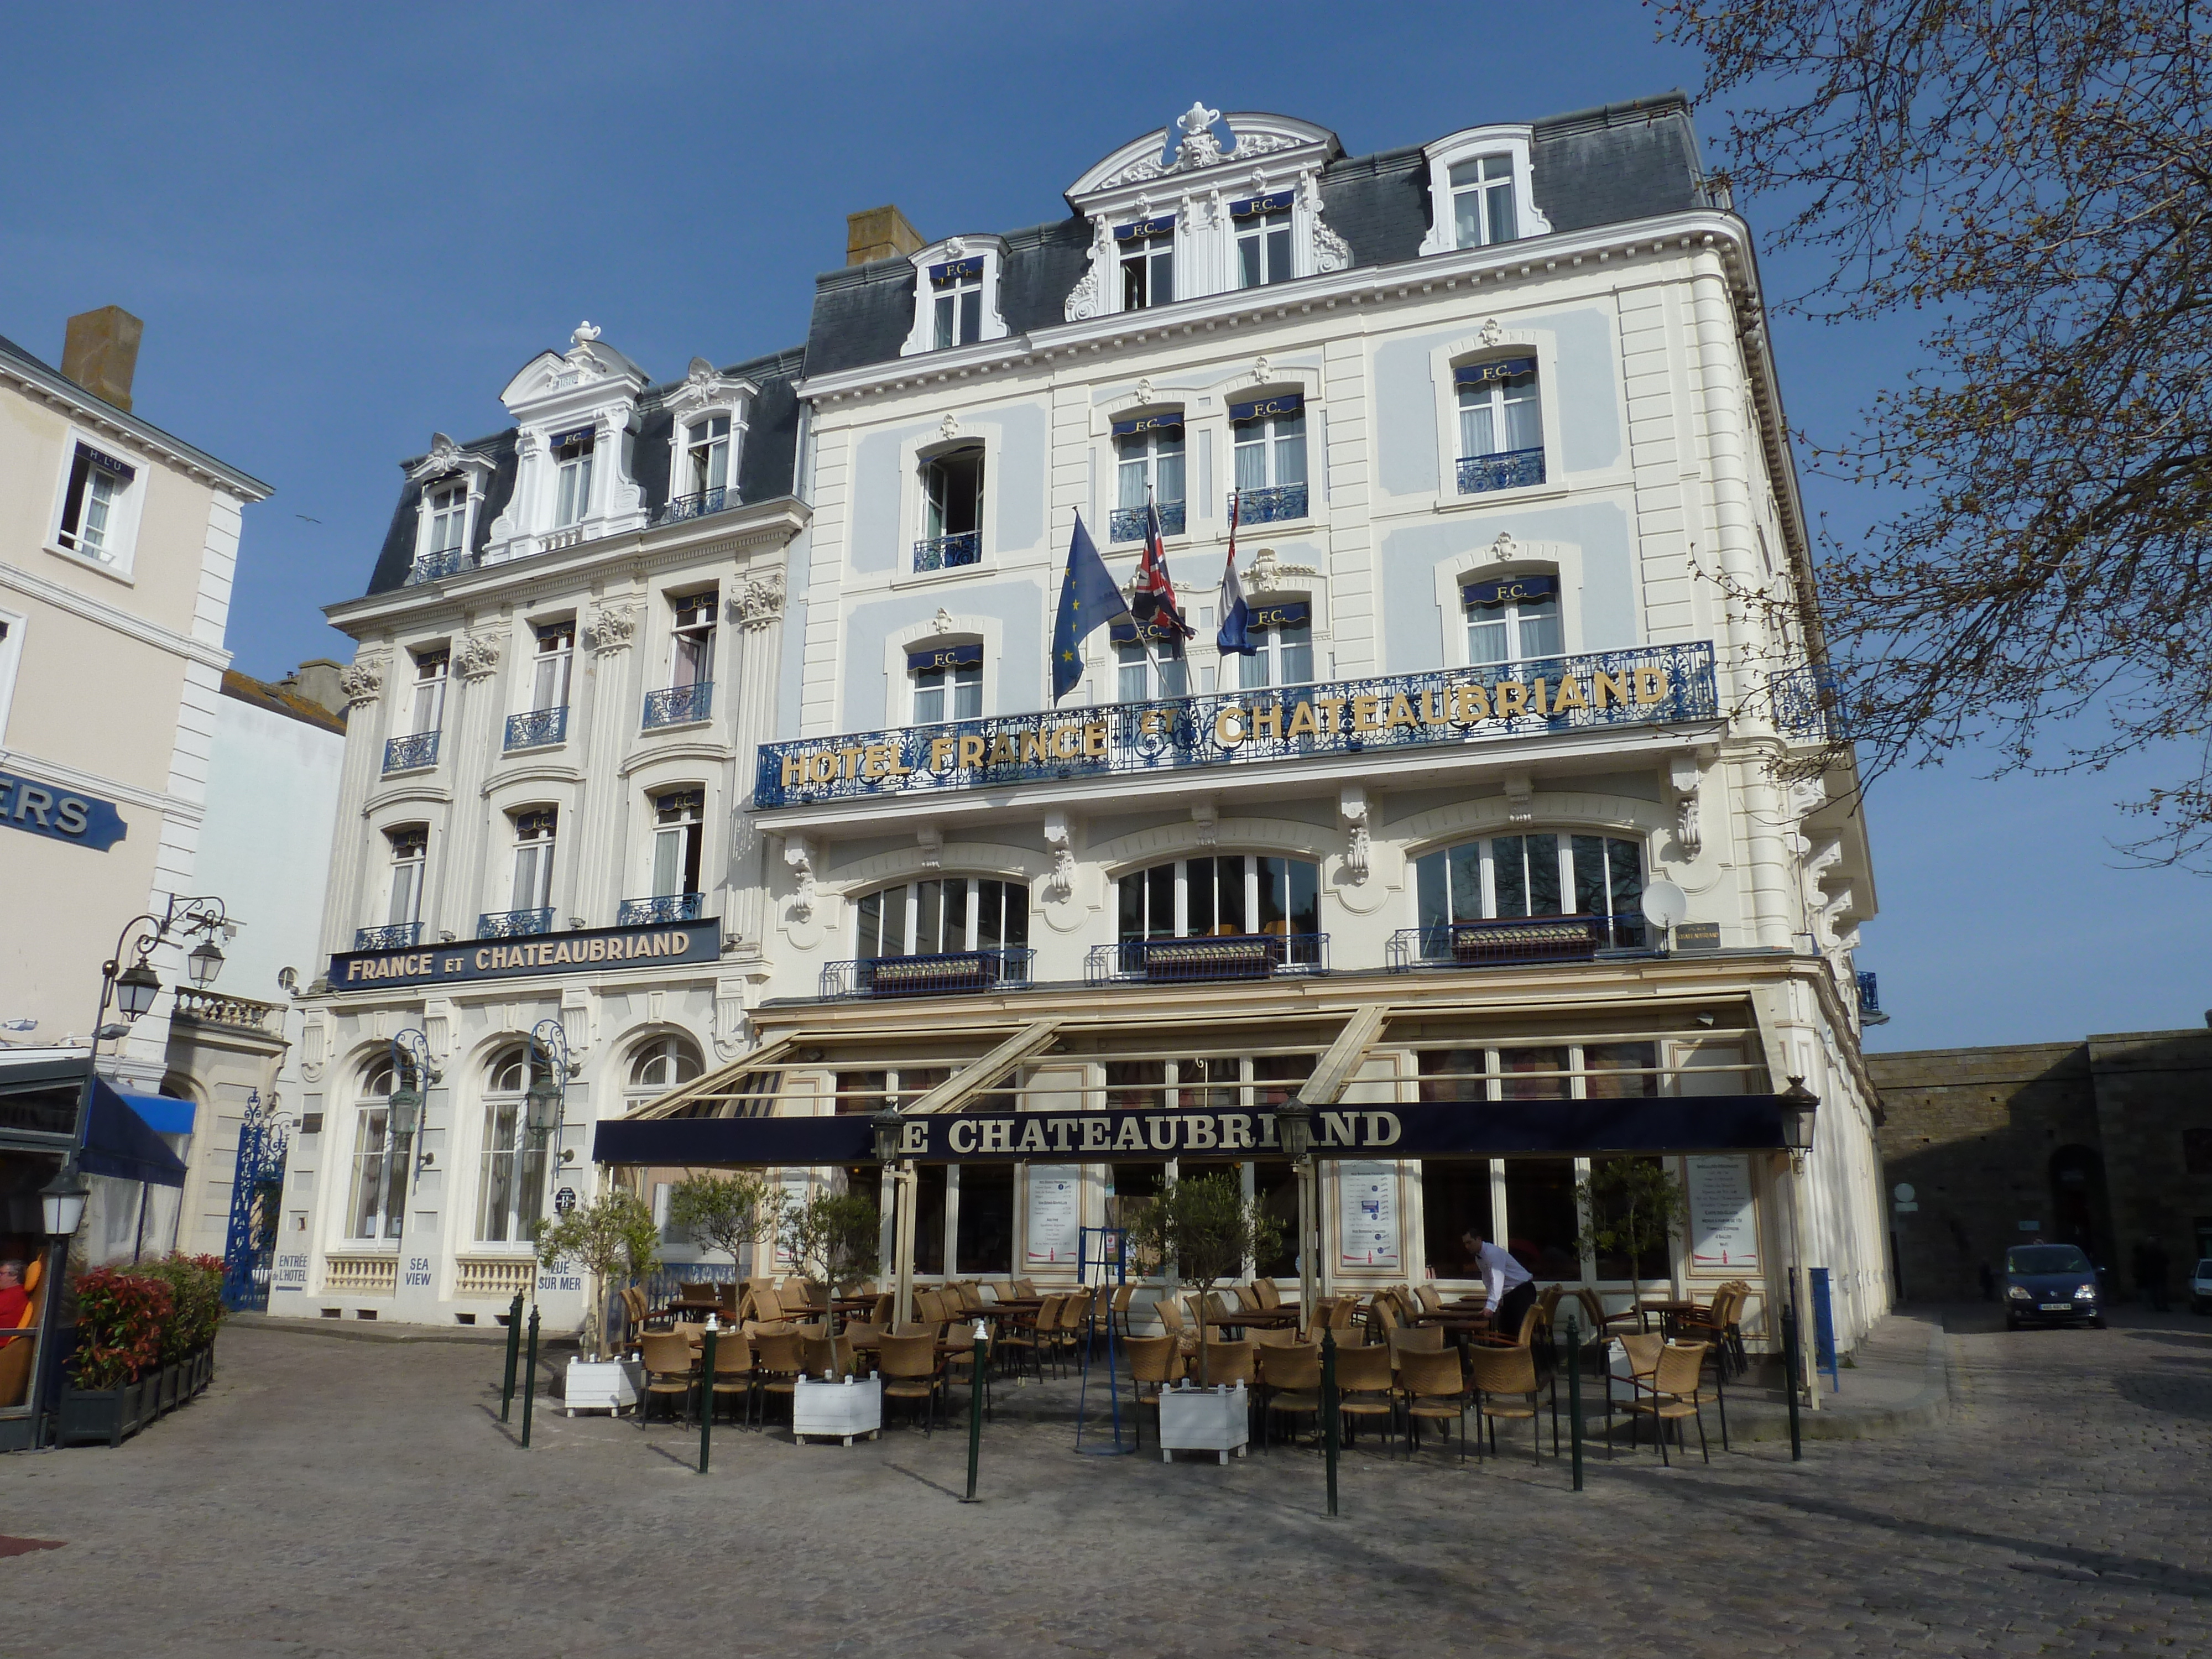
x=1512 y=1287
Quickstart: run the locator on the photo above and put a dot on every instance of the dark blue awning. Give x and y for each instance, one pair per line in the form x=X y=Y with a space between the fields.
x=119 y=1142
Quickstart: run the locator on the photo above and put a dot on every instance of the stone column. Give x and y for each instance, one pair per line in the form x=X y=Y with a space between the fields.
x=363 y=683
x=600 y=747
x=756 y=607
x=476 y=727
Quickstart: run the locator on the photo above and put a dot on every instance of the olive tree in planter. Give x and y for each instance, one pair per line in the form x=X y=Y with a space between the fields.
x=727 y=1212
x=1207 y=1228
x=1632 y=1207
x=614 y=1235
x=833 y=1239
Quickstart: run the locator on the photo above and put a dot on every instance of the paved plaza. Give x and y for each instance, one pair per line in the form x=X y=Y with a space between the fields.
x=332 y=1497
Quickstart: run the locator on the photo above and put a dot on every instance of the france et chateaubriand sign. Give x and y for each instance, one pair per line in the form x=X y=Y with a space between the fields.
x=71 y=814
x=599 y=949
x=1655 y=686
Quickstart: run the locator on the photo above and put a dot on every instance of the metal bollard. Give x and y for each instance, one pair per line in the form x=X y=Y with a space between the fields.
x=977 y=1355
x=514 y=1348
x=706 y=1396
x=1329 y=1409
x=1575 y=1395
x=1790 y=1372
x=530 y=1378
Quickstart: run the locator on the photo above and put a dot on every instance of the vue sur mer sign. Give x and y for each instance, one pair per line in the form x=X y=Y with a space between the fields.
x=71 y=814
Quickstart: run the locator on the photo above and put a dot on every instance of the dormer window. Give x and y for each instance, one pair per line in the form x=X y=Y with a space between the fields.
x=1263 y=238
x=1482 y=201
x=449 y=515
x=957 y=299
x=572 y=464
x=1147 y=251
x=706 y=455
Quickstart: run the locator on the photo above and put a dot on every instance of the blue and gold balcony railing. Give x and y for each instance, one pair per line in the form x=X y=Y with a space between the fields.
x=1811 y=702
x=680 y=507
x=679 y=705
x=1208 y=956
x=1513 y=468
x=541 y=728
x=415 y=753
x=436 y=566
x=1513 y=941
x=671 y=907
x=993 y=968
x=1660 y=684
x=1269 y=506
x=949 y=552
x=1126 y=523
x=394 y=936
x=514 y=924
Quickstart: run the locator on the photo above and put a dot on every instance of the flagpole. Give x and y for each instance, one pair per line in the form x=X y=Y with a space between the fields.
x=1144 y=629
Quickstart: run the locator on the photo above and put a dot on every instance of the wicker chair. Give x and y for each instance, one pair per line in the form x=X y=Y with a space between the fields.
x=1271 y=1299
x=1289 y=1381
x=909 y=1371
x=1153 y=1360
x=1431 y=1386
x=1642 y=1353
x=1277 y=1336
x=1673 y=1392
x=1506 y=1386
x=734 y=1373
x=1365 y=1387
x=1416 y=1339
x=779 y=1359
x=824 y=1358
x=1018 y=1337
x=670 y=1373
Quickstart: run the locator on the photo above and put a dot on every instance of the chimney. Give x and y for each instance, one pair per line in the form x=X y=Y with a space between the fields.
x=317 y=680
x=101 y=352
x=877 y=233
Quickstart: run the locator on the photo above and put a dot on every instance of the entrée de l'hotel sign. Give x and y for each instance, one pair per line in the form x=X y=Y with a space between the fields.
x=1658 y=684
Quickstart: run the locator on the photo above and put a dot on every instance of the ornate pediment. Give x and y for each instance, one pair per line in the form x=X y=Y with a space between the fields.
x=1199 y=149
x=707 y=387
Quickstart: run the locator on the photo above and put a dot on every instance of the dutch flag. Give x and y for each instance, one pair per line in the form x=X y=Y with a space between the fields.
x=1236 y=615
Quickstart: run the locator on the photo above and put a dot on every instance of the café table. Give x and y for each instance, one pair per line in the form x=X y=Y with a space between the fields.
x=1667 y=1308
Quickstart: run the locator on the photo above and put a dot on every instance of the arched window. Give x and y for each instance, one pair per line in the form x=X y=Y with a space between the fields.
x=941 y=917
x=1599 y=877
x=1501 y=433
x=1280 y=634
x=948 y=683
x=375 y=1204
x=664 y=1063
x=1226 y=895
x=511 y=1168
x=1512 y=619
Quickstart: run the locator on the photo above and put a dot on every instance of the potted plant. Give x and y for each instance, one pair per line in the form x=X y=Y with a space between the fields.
x=1208 y=1230
x=195 y=1285
x=614 y=1235
x=725 y=1212
x=118 y=1345
x=1632 y=1207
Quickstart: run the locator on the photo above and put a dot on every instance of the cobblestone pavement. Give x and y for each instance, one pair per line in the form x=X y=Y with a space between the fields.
x=342 y=1497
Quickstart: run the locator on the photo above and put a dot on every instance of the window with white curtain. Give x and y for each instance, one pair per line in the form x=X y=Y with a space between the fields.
x=410 y=847
x=676 y=832
x=707 y=454
x=1151 y=665
x=1270 y=450
x=948 y=683
x=511 y=1168
x=1512 y=619
x=957 y=301
x=1497 y=408
x=429 y=711
x=1280 y=633
x=572 y=470
x=1146 y=251
x=378 y=1196
x=1263 y=239
x=1482 y=202
x=556 y=651
x=693 y=643
x=534 y=835
x=1149 y=461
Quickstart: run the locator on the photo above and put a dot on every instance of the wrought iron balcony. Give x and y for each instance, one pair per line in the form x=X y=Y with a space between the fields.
x=1658 y=684
x=1211 y=956
x=671 y=906
x=679 y=705
x=398 y=936
x=1269 y=506
x=412 y=753
x=994 y=968
x=1513 y=941
x=1870 y=1011
x=680 y=507
x=1127 y=523
x=434 y=567
x=541 y=728
x=1512 y=470
x=513 y=924
x=949 y=552
x=1811 y=702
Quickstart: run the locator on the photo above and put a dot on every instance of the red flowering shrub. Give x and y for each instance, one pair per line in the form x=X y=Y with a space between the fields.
x=195 y=1285
x=120 y=1318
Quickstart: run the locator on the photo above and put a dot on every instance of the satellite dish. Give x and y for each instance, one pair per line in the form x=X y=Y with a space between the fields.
x=1665 y=904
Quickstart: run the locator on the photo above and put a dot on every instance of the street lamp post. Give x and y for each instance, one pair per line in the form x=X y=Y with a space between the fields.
x=546 y=1107
x=889 y=1127
x=1294 y=1129
x=1799 y=1106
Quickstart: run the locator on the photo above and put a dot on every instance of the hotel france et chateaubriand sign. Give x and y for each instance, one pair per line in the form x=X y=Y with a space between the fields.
x=599 y=949
x=1654 y=685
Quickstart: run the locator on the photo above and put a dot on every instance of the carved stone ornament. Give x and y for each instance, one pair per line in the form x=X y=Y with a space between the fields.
x=1207 y=818
x=1084 y=299
x=798 y=853
x=1331 y=250
x=583 y=334
x=1144 y=389
x=476 y=656
x=1059 y=885
x=1683 y=777
x=1504 y=547
x=363 y=680
x=1520 y=798
x=932 y=840
x=1351 y=805
x=611 y=629
x=1489 y=334
x=948 y=428
x=1198 y=148
x=942 y=622
x=758 y=602
x=1267 y=573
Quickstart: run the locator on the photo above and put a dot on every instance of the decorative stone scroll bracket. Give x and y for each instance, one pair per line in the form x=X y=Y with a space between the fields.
x=476 y=657
x=363 y=680
x=1059 y=885
x=1352 y=805
x=932 y=845
x=798 y=853
x=1684 y=778
x=1520 y=798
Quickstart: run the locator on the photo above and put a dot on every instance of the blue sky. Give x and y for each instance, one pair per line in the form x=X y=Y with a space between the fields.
x=346 y=227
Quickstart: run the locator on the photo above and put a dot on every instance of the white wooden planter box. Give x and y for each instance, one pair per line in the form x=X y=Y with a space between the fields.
x=839 y=1411
x=1216 y=1420
x=602 y=1385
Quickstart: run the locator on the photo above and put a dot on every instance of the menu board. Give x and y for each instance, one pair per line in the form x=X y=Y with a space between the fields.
x=1055 y=1213
x=1723 y=1224
x=1367 y=1229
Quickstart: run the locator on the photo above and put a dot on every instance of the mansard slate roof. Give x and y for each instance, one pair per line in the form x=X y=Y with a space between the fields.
x=766 y=464
x=1603 y=166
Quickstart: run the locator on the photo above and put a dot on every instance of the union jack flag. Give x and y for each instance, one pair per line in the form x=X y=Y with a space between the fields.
x=1152 y=597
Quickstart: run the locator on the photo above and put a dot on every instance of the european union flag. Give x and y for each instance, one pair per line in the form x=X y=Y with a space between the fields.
x=1089 y=598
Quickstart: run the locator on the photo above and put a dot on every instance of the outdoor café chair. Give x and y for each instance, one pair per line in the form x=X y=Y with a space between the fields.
x=1290 y=1381
x=1276 y=1336
x=1248 y=1299
x=1417 y=1339
x=1117 y=1311
x=1270 y=1298
x=1227 y=1363
x=695 y=1289
x=821 y=1356
x=1025 y=1289
x=734 y=1373
x=1671 y=1394
x=1154 y=1361
x=1064 y=1336
x=1365 y=1387
x=1506 y=1386
x=1168 y=1311
x=779 y=1359
x=1001 y=1290
x=862 y=1335
x=1027 y=1337
x=1432 y=1299
x=1432 y=1386
x=1640 y=1357
x=909 y=1367
x=670 y=1371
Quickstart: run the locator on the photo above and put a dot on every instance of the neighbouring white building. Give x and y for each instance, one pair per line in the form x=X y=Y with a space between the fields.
x=1534 y=635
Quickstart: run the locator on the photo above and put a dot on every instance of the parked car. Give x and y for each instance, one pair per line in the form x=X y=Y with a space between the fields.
x=2200 y=1287
x=2051 y=1284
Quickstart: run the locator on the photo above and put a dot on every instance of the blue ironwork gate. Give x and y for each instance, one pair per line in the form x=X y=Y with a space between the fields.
x=256 y=1195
